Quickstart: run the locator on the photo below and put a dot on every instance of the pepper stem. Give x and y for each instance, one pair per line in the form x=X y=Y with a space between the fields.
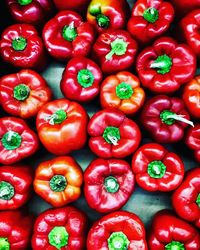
x=111 y=184
x=118 y=241
x=156 y=169
x=175 y=245
x=4 y=243
x=124 y=91
x=21 y=92
x=198 y=200
x=85 y=78
x=69 y=32
x=162 y=64
x=94 y=10
x=11 y=140
x=151 y=15
x=57 y=118
x=118 y=47
x=111 y=135
x=58 y=183
x=6 y=191
x=58 y=237
x=19 y=44
x=103 y=21
x=24 y=2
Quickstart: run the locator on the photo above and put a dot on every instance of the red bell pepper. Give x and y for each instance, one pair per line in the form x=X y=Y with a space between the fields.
x=62 y=126
x=150 y=19
x=112 y=134
x=66 y=36
x=21 y=46
x=157 y=169
x=169 y=232
x=115 y=51
x=117 y=230
x=165 y=118
x=81 y=79
x=108 y=184
x=15 y=186
x=166 y=65
x=183 y=7
x=186 y=199
x=15 y=230
x=24 y=93
x=77 y=5
x=17 y=140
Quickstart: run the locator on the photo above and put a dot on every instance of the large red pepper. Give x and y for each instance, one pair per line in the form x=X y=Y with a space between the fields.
x=115 y=50
x=24 y=93
x=150 y=19
x=186 y=199
x=62 y=126
x=118 y=230
x=169 y=232
x=17 y=140
x=113 y=134
x=81 y=79
x=66 y=36
x=157 y=169
x=166 y=65
x=77 y=5
x=61 y=228
x=183 y=7
x=108 y=184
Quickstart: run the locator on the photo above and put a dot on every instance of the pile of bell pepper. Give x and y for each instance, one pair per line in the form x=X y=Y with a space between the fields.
x=135 y=63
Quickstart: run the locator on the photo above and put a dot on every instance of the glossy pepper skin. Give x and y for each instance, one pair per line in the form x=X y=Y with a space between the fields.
x=165 y=66
x=122 y=91
x=165 y=118
x=24 y=93
x=62 y=126
x=15 y=186
x=66 y=36
x=58 y=181
x=186 y=199
x=17 y=140
x=81 y=79
x=21 y=46
x=169 y=232
x=150 y=19
x=183 y=7
x=60 y=228
x=78 y=5
x=108 y=184
x=117 y=229
x=157 y=169
x=112 y=134
x=115 y=51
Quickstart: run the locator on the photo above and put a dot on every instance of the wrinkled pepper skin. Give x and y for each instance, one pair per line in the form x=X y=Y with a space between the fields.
x=77 y=5
x=15 y=186
x=150 y=19
x=108 y=184
x=186 y=199
x=58 y=181
x=117 y=228
x=62 y=126
x=81 y=80
x=161 y=117
x=183 y=7
x=169 y=232
x=115 y=51
x=24 y=93
x=122 y=91
x=193 y=140
x=66 y=36
x=157 y=169
x=21 y=46
x=112 y=134
x=165 y=66
x=17 y=140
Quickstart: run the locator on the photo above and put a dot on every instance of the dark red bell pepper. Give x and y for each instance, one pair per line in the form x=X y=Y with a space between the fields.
x=108 y=184
x=66 y=36
x=17 y=140
x=183 y=7
x=15 y=186
x=24 y=93
x=165 y=118
x=77 y=5
x=21 y=46
x=186 y=199
x=81 y=79
x=150 y=19
x=171 y=233
x=157 y=169
x=117 y=230
x=61 y=228
x=166 y=65
x=115 y=51
x=112 y=134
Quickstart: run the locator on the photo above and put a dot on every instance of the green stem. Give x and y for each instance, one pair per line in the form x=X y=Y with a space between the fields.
x=118 y=241
x=156 y=169
x=103 y=21
x=198 y=200
x=58 y=237
x=85 y=78
x=162 y=64
x=21 y=92
x=118 y=47
x=95 y=10
x=4 y=243
x=24 y=2
x=69 y=32
x=19 y=44
x=111 y=184
x=11 y=140
x=58 y=183
x=6 y=191
x=151 y=15
x=57 y=118
x=175 y=245
x=124 y=91
x=111 y=135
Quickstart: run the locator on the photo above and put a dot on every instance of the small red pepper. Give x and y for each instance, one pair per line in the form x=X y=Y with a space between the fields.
x=108 y=184
x=183 y=7
x=186 y=199
x=112 y=134
x=77 y=5
x=17 y=140
x=166 y=65
x=115 y=51
x=157 y=169
x=66 y=36
x=24 y=93
x=81 y=79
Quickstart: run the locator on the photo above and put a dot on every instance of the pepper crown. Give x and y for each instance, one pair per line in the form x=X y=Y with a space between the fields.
x=4 y=243
x=118 y=241
x=11 y=140
x=111 y=135
x=58 y=237
x=175 y=245
x=19 y=43
x=69 y=32
x=151 y=15
x=6 y=191
x=162 y=64
x=111 y=184
x=103 y=21
x=24 y=2
x=156 y=169
x=57 y=118
x=85 y=78
x=198 y=200
x=21 y=92
x=124 y=90
x=58 y=183
x=118 y=47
